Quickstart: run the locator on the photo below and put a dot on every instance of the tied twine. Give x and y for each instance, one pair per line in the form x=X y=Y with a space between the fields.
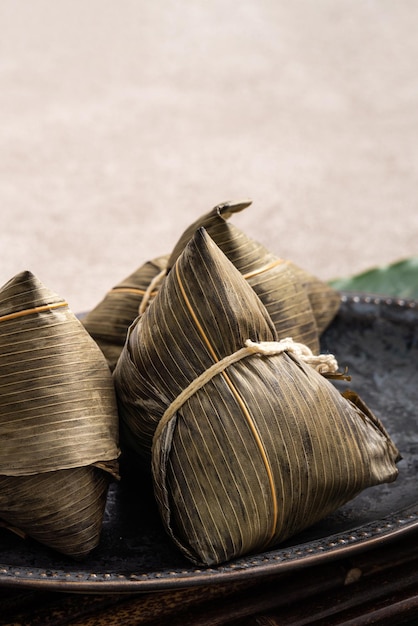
x=150 y=289
x=322 y=363
x=44 y=308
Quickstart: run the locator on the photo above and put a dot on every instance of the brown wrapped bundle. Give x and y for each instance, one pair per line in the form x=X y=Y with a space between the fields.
x=250 y=444
x=58 y=421
x=324 y=300
x=109 y=321
x=298 y=303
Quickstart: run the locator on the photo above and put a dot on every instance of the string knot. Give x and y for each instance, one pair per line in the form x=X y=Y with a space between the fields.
x=149 y=292
x=322 y=363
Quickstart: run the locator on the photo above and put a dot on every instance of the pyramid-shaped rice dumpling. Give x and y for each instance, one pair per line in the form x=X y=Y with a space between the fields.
x=299 y=304
x=58 y=421
x=249 y=444
x=295 y=299
x=109 y=321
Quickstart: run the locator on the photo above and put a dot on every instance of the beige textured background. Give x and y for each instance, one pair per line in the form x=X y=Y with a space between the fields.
x=122 y=121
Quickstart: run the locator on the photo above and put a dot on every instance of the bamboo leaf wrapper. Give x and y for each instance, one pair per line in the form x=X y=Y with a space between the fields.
x=265 y=448
x=58 y=420
x=298 y=303
x=109 y=320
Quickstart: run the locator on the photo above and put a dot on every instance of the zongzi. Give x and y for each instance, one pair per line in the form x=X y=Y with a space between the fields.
x=110 y=319
x=58 y=421
x=298 y=303
x=248 y=443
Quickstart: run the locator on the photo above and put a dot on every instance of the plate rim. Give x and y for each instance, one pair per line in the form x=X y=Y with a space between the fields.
x=339 y=545
x=280 y=560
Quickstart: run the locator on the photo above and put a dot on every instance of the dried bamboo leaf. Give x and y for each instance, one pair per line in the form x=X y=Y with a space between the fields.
x=58 y=415
x=273 y=280
x=263 y=449
x=143 y=399
x=62 y=509
x=214 y=217
x=324 y=300
x=109 y=321
x=299 y=304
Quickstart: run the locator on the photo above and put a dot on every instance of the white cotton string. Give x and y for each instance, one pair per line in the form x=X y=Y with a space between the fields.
x=322 y=363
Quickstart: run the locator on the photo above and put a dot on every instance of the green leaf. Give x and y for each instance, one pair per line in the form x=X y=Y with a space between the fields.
x=399 y=279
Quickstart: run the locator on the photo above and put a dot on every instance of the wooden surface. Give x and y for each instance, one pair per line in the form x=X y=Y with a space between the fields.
x=375 y=587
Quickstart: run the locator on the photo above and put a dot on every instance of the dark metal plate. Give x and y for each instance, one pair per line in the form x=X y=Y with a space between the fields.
x=377 y=338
